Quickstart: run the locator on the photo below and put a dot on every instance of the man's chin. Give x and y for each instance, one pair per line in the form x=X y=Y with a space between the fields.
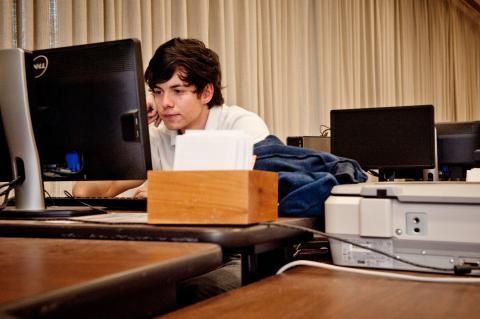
x=173 y=126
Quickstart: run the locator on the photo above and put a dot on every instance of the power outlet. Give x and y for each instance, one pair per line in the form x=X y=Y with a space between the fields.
x=416 y=223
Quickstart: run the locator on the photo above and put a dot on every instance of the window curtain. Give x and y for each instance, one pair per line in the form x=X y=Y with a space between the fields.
x=290 y=61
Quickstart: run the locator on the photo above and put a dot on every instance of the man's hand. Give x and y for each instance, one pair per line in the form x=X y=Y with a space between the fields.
x=152 y=114
x=141 y=193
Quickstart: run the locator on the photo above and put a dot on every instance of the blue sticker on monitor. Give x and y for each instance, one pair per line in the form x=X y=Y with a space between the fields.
x=73 y=161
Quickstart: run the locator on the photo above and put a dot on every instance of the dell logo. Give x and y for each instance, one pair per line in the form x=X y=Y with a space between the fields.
x=40 y=65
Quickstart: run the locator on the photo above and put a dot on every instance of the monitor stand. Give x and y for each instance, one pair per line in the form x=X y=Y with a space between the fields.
x=15 y=113
x=389 y=175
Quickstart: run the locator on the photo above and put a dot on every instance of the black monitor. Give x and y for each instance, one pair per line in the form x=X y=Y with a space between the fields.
x=398 y=141
x=458 y=149
x=85 y=118
x=88 y=112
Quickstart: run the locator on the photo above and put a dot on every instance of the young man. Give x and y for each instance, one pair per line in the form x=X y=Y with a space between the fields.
x=185 y=82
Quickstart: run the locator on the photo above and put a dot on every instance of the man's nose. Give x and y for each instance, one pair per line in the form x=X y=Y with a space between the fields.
x=167 y=102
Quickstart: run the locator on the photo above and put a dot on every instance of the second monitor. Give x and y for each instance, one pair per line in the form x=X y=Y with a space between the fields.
x=398 y=141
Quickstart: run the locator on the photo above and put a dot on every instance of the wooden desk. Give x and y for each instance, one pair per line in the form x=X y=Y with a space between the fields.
x=96 y=278
x=305 y=292
x=263 y=248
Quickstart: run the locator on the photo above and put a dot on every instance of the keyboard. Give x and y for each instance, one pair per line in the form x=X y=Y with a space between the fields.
x=115 y=203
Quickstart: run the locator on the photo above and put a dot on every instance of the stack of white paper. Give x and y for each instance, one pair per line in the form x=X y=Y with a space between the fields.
x=213 y=150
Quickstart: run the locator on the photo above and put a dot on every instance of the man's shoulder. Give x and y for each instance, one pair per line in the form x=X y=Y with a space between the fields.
x=237 y=118
x=228 y=113
x=229 y=109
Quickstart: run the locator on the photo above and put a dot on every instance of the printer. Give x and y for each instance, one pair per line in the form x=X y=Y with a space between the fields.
x=429 y=223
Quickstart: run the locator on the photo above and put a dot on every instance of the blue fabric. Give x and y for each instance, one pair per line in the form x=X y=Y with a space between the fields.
x=305 y=177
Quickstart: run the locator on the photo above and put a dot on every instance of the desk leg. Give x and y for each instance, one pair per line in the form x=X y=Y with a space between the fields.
x=256 y=266
x=249 y=268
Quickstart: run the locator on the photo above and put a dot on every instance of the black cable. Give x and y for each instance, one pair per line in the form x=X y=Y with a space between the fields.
x=48 y=194
x=324 y=131
x=11 y=183
x=372 y=172
x=323 y=234
x=5 y=198
x=70 y=195
x=4 y=185
x=9 y=187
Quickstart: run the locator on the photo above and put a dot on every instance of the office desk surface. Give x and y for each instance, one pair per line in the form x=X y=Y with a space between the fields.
x=263 y=248
x=61 y=277
x=305 y=292
x=229 y=237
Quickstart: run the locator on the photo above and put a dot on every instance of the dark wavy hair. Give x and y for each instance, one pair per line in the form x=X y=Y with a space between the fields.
x=198 y=64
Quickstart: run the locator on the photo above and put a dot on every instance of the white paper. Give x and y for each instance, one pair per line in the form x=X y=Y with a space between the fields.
x=213 y=150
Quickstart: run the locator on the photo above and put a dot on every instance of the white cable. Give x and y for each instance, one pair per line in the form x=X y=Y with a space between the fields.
x=378 y=273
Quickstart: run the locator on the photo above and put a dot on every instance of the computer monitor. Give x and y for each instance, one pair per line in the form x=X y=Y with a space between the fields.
x=398 y=141
x=83 y=117
x=458 y=149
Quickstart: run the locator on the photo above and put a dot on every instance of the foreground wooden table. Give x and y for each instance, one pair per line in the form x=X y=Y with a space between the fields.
x=96 y=278
x=263 y=248
x=305 y=292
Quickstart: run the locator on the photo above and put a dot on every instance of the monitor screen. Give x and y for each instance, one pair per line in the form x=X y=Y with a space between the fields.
x=458 y=147
x=385 y=137
x=88 y=112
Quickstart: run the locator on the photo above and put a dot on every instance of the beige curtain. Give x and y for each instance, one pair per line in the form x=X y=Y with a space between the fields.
x=291 y=61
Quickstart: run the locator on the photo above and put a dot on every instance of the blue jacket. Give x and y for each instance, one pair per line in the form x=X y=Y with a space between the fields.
x=305 y=177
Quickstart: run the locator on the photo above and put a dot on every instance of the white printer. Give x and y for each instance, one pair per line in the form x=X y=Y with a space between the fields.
x=430 y=223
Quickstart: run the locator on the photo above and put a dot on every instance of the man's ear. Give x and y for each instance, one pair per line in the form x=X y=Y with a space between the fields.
x=207 y=93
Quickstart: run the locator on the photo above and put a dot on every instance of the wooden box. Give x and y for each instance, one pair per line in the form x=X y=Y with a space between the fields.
x=212 y=197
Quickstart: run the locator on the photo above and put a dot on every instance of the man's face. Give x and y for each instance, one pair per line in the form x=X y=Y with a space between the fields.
x=179 y=105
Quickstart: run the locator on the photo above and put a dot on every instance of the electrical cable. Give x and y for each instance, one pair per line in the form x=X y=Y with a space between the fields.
x=5 y=193
x=373 y=173
x=324 y=130
x=48 y=194
x=323 y=234
x=9 y=187
x=11 y=183
x=378 y=273
x=70 y=195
